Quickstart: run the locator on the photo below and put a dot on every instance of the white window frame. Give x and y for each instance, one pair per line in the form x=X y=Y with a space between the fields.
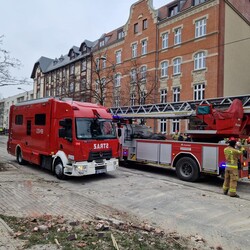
x=176 y=94
x=200 y=60
x=118 y=56
x=164 y=69
x=133 y=75
x=134 y=50
x=144 y=47
x=165 y=40
x=177 y=36
x=200 y=27
x=142 y=97
x=132 y=99
x=71 y=87
x=117 y=101
x=175 y=125
x=72 y=70
x=104 y=62
x=177 y=66
x=163 y=95
x=199 y=91
x=143 y=73
x=163 y=126
x=118 y=80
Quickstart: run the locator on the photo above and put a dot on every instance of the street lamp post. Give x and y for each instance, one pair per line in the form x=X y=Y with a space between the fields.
x=27 y=93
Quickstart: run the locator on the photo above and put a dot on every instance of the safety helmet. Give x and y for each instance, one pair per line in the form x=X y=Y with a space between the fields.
x=232 y=139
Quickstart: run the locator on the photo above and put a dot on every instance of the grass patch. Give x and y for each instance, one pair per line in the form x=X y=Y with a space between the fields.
x=99 y=234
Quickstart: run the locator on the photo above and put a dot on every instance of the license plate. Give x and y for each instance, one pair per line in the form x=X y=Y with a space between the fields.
x=100 y=171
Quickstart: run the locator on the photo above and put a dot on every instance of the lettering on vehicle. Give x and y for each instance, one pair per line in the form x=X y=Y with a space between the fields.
x=101 y=145
x=39 y=131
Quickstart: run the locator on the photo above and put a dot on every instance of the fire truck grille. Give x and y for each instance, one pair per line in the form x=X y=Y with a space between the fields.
x=98 y=156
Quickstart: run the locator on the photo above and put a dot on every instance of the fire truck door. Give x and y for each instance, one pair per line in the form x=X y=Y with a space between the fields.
x=27 y=139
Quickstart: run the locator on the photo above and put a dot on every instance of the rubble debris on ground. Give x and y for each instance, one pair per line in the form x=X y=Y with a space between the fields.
x=98 y=233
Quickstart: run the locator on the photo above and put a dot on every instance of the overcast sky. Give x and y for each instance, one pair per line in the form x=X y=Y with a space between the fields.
x=49 y=28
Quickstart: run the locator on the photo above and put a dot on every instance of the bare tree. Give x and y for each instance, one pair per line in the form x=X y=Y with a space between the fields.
x=6 y=64
x=142 y=84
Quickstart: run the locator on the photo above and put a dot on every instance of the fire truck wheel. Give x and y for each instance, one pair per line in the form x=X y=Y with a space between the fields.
x=187 y=169
x=19 y=157
x=59 y=170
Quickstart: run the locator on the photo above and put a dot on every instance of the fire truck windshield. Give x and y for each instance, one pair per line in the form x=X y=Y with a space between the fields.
x=92 y=128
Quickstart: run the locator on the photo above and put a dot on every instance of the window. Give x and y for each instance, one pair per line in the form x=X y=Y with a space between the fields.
x=163 y=126
x=199 y=92
x=103 y=82
x=177 y=36
x=200 y=60
x=142 y=98
x=120 y=34
x=104 y=62
x=163 y=96
x=132 y=99
x=176 y=94
x=200 y=28
x=72 y=69
x=19 y=119
x=117 y=80
x=165 y=40
x=83 y=84
x=136 y=28
x=40 y=119
x=144 y=45
x=196 y=2
x=173 y=10
x=143 y=73
x=101 y=43
x=164 y=69
x=134 y=50
x=97 y=61
x=71 y=87
x=84 y=65
x=133 y=75
x=117 y=101
x=118 y=56
x=64 y=72
x=175 y=125
x=145 y=24
x=177 y=66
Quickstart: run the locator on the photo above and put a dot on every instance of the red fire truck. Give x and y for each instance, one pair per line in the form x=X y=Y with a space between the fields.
x=210 y=121
x=67 y=137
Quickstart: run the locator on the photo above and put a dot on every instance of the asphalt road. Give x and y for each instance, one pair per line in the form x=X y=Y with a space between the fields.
x=153 y=195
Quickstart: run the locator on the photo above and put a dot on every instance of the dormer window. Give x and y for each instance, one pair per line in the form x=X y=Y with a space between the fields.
x=73 y=55
x=173 y=10
x=101 y=43
x=120 y=34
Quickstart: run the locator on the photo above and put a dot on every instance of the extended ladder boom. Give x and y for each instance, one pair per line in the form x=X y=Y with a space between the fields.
x=174 y=110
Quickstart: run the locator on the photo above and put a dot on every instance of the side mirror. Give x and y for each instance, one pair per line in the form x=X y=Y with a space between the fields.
x=119 y=132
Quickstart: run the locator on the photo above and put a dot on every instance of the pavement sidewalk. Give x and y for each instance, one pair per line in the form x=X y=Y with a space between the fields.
x=7 y=241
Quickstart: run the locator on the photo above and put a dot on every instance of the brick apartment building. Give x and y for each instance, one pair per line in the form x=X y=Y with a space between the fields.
x=185 y=50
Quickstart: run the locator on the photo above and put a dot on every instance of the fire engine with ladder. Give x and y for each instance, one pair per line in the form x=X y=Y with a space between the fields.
x=210 y=121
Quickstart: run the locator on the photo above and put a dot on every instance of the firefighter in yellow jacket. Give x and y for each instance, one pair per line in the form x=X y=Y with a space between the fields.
x=231 y=173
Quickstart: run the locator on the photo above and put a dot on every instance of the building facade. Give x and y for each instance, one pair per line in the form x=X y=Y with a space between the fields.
x=5 y=104
x=185 y=50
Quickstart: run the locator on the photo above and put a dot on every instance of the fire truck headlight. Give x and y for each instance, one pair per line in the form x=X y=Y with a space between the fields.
x=81 y=168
